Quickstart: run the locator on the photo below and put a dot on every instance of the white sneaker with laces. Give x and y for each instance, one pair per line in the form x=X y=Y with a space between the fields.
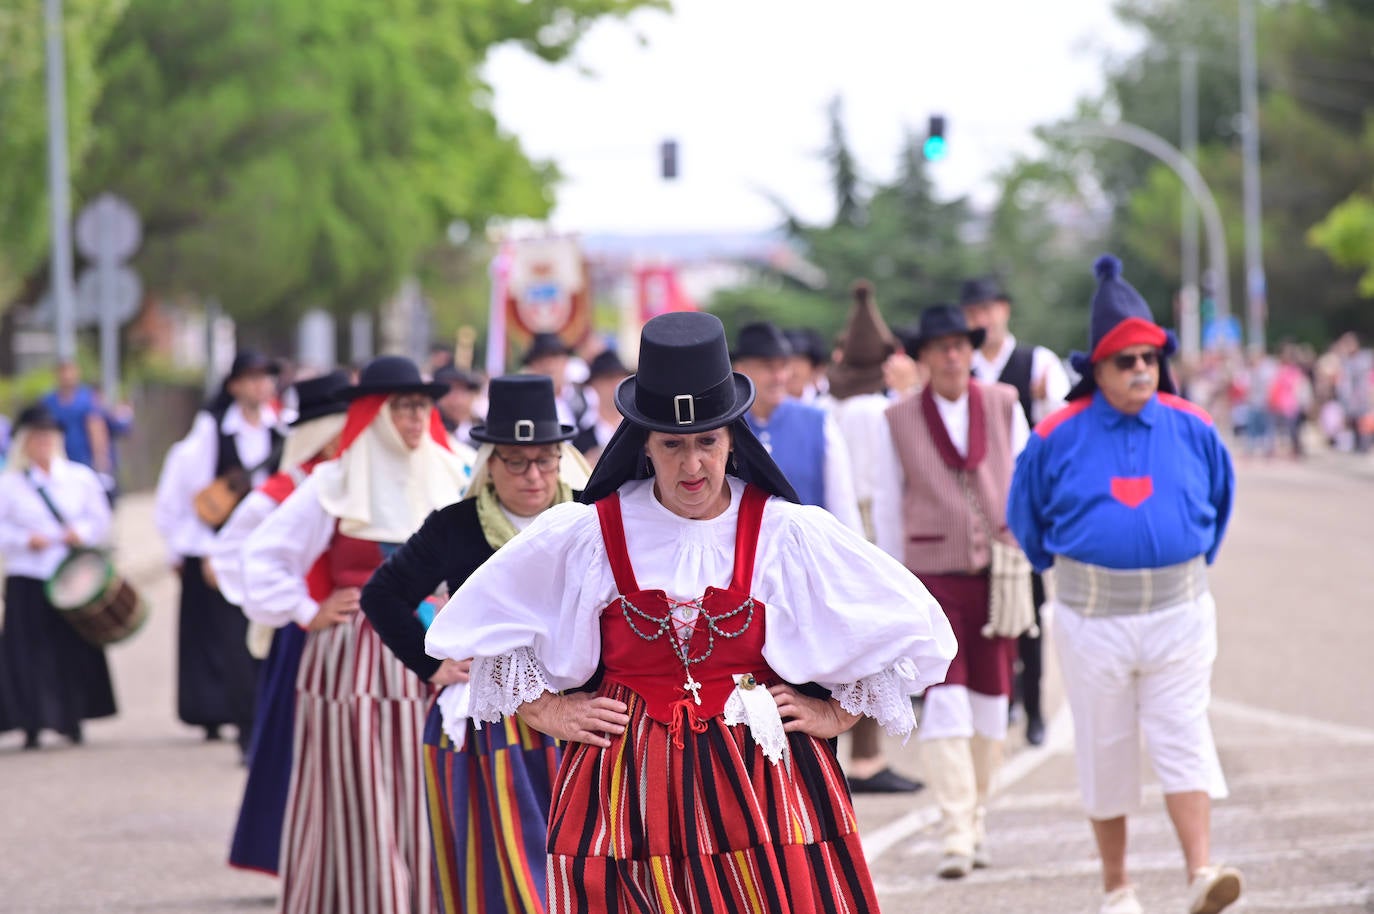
x=1214 y=888
x=1121 y=901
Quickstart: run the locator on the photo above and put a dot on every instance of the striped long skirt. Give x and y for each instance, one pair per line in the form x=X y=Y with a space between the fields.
x=715 y=826
x=489 y=815
x=355 y=839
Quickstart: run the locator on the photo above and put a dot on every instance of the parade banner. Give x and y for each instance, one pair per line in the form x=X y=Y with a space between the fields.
x=658 y=291
x=547 y=290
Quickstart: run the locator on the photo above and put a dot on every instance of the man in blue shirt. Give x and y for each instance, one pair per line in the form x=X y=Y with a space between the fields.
x=1126 y=491
x=88 y=427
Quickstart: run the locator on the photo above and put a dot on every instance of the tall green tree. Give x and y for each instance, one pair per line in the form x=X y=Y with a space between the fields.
x=24 y=215
x=286 y=154
x=307 y=152
x=1316 y=67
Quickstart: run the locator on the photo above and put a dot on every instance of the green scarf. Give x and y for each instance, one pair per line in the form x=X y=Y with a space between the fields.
x=496 y=526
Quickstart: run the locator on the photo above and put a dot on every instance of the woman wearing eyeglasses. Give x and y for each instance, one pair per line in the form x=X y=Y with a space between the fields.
x=489 y=789
x=734 y=632
x=354 y=838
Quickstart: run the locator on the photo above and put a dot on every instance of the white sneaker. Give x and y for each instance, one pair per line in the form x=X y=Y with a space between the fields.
x=1121 y=901
x=1214 y=888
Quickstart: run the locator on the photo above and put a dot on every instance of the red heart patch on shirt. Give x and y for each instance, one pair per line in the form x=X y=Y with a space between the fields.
x=1132 y=491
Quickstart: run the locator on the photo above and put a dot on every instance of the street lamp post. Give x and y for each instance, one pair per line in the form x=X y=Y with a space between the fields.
x=59 y=184
x=1171 y=156
x=1255 y=285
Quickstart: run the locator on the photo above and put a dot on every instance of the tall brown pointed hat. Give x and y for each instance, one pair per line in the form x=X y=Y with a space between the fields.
x=865 y=345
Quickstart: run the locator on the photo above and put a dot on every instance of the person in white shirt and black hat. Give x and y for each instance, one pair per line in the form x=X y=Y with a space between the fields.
x=940 y=507
x=1041 y=386
x=50 y=678
x=236 y=435
x=489 y=788
x=709 y=601
x=359 y=711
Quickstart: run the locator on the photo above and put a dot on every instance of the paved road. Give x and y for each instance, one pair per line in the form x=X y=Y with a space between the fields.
x=139 y=819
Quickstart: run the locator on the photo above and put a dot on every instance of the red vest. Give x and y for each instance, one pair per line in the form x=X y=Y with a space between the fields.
x=640 y=647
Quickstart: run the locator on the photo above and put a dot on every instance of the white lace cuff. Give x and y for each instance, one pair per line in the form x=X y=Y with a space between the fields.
x=753 y=705
x=502 y=684
x=885 y=697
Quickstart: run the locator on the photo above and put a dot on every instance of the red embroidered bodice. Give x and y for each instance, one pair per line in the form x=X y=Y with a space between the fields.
x=640 y=648
x=352 y=561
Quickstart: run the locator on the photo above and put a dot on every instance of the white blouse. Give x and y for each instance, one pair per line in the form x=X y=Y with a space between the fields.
x=190 y=467
x=839 y=612
x=226 y=553
x=78 y=495
x=278 y=554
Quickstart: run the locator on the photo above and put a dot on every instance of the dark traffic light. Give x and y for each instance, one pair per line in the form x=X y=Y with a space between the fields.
x=935 y=147
x=667 y=156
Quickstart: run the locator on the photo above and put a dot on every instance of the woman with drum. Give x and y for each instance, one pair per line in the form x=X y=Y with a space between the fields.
x=355 y=838
x=489 y=789
x=699 y=776
x=50 y=678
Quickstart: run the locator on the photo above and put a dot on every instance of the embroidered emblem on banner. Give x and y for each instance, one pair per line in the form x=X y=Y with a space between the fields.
x=1132 y=491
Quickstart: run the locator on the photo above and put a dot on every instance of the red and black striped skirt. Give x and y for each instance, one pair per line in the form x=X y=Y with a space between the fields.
x=715 y=826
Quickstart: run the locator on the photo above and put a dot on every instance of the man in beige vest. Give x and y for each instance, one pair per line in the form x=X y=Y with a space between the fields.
x=940 y=499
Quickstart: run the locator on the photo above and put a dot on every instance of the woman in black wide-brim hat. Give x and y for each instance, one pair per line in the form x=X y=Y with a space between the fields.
x=50 y=679
x=354 y=837
x=489 y=789
x=699 y=776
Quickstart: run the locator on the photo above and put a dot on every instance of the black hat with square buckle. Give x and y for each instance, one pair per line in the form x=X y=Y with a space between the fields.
x=685 y=386
x=521 y=410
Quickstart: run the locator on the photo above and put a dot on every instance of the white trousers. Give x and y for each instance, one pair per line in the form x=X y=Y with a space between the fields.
x=954 y=711
x=1128 y=674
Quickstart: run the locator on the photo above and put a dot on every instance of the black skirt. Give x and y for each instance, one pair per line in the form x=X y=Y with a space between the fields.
x=50 y=679
x=216 y=676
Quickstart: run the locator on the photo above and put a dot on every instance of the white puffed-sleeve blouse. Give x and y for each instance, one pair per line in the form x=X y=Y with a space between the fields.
x=840 y=612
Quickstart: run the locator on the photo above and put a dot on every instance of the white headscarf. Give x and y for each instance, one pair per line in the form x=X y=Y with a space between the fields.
x=382 y=490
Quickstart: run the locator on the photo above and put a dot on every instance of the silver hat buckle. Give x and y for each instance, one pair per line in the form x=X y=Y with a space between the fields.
x=524 y=429
x=691 y=405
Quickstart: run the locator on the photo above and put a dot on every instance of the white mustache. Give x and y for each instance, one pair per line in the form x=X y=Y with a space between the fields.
x=1142 y=379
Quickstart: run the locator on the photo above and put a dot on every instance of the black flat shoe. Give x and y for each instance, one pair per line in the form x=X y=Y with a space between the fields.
x=1035 y=730
x=885 y=781
x=31 y=739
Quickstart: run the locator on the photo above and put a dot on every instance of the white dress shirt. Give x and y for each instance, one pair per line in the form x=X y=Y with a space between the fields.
x=1044 y=364
x=190 y=467
x=78 y=495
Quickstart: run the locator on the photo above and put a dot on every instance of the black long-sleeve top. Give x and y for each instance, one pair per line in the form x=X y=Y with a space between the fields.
x=448 y=547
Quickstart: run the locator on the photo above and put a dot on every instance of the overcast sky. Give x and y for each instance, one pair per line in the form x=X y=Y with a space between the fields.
x=743 y=86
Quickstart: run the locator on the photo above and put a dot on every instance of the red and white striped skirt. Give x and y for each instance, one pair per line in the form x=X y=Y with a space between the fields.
x=356 y=836
x=646 y=827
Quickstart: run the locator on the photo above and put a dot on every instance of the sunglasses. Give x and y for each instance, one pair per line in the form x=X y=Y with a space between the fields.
x=1126 y=361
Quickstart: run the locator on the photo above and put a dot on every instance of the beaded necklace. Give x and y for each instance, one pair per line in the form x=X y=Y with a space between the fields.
x=681 y=646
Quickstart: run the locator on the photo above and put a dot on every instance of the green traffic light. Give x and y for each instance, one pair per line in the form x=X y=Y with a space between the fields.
x=935 y=148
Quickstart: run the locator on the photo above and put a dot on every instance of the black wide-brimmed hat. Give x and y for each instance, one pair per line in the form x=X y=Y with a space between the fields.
x=521 y=410
x=545 y=344
x=37 y=418
x=319 y=397
x=982 y=291
x=392 y=374
x=250 y=361
x=685 y=383
x=943 y=320
x=808 y=343
x=458 y=377
x=761 y=340
x=606 y=365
